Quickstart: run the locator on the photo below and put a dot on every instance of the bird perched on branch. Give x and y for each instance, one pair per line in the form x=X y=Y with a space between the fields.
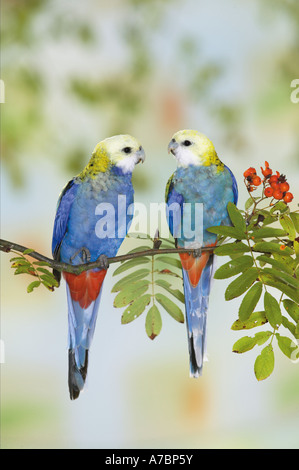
x=197 y=195
x=104 y=188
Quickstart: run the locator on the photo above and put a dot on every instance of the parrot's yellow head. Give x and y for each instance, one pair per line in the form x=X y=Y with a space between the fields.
x=122 y=151
x=193 y=148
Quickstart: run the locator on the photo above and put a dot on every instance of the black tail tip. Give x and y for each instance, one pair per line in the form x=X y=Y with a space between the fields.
x=77 y=377
x=196 y=363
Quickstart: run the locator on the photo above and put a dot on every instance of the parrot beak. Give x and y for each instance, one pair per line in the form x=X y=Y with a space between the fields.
x=173 y=145
x=140 y=155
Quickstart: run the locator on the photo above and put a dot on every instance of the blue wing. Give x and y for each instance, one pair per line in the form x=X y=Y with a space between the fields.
x=174 y=208
x=64 y=205
x=235 y=185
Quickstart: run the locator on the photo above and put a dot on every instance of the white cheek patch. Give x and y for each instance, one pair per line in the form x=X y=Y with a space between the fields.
x=127 y=164
x=186 y=157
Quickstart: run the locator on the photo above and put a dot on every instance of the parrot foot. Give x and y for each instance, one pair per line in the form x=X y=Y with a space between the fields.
x=104 y=262
x=84 y=254
x=196 y=253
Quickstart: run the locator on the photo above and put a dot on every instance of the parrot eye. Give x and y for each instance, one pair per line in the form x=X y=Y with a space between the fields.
x=186 y=143
x=127 y=150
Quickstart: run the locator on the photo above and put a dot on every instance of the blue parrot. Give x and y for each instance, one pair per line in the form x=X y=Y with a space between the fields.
x=197 y=195
x=104 y=188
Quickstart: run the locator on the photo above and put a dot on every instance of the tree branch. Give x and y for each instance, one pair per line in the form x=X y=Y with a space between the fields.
x=7 y=246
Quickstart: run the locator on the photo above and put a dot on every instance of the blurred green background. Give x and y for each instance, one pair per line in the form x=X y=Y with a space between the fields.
x=76 y=72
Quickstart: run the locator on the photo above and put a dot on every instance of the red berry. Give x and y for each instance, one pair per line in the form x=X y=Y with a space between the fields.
x=267 y=171
x=250 y=172
x=256 y=180
x=268 y=192
x=275 y=185
x=277 y=194
x=273 y=179
x=284 y=187
x=288 y=197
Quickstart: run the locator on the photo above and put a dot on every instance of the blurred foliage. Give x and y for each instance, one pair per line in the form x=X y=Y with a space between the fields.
x=118 y=94
x=113 y=85
x=284 y=63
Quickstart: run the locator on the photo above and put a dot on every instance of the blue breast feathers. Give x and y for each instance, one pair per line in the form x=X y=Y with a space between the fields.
x=203 y=194
x=93 y=218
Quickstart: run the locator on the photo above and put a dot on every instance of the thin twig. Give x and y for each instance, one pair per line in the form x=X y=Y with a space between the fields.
x=7 y=246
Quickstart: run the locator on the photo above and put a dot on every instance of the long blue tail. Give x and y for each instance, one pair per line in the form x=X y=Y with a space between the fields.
x=196 y=303
x=81 y=329
x=83 y=296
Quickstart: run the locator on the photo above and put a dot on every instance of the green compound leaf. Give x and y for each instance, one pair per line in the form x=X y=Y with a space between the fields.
x=18 y=258
x=271 y=247
x=170 y=307
x=250 y=201
x=288 y=347
x=250 y=301
x=231 y=249
x=279 y=206
x=278 y=264
x=287 y=224
x=41 y=263
x=281 y=276
x=32 y=286
x=134 y=310
x=272 y=309
x=264 y=363
x=295 y=219
x=167 y=286
x=46 y=272
x=255 y=319
x=292 y=308
x=281 y=286
x=236 y=217
x=131 y=264
x=139 y=248
x=20 y=262
x=262 y=336
x=28 y=251
x=49 y=279
x=244 y=344
x=227 y=232
x=268 y=232
x=24 y=269
x=290 y=326
x=153 y=322
x=167 y=272
x=241 y=284
x=169 y=260
x=234 y=267
x=130 y=279
x=247 y=342
x=130 y=293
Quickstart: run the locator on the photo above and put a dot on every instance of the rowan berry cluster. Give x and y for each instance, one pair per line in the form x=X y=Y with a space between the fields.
x=274 y=186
